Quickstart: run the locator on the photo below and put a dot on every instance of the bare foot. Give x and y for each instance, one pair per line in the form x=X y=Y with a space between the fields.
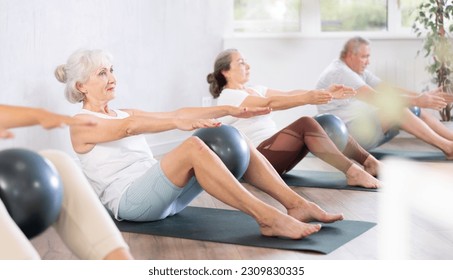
x=372 y=165
x=281 y=225
x=448 y=155
x=356 y=176
x=119 y=254
x=308 y=211
x=447 y=149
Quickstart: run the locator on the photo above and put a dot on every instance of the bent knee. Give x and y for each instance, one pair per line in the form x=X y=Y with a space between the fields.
x=306 y=120
x=193 y=143
x=308 y=124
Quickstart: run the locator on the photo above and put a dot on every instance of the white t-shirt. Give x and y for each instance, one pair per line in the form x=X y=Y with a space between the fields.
x=339 y=73
x=112 y=167
x=258 y=128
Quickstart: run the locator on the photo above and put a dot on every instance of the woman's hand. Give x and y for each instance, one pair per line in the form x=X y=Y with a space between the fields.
x=341 y=91
x=5 y=134
x=192 y=124
x=317 y=97
x=248 y=112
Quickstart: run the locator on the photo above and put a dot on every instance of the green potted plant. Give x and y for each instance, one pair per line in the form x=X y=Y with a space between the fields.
x=434 y=23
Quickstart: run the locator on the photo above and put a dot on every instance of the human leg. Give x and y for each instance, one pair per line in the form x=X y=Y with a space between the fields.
x=194 y=158
x=436 y=125
x=262 y=175
x=84 y=224
x=420 y=129
x=290 y=145
x=13 y=243
x=154 y=197
x=354 y=151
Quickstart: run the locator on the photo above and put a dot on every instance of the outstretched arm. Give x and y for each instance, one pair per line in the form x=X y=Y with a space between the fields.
x=141 y=122
x=107 y=130
x=282 y=100
x=278 y=100
x=275 y=92
x=205 y=112
x=336 y=90
x=18 y=116
x=341 y=91
x=435 y=99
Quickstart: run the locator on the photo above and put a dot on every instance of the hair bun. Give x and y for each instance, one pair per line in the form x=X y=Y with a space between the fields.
x=210 y=78
x=60 y=73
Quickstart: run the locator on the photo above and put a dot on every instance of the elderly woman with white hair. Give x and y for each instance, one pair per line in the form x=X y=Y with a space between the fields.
x=135 y=186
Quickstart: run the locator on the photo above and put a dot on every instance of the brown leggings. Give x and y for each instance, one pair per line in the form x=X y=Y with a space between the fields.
x=289 y=146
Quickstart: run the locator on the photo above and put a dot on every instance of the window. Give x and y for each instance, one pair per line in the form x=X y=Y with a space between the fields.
x=407 y=8
x=353 y=15
x=266 y=15
x=313 y=17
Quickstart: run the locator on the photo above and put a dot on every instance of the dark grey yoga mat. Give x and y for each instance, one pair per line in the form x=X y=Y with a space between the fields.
x=235 y=227
x=414 y=155
x=319 y=179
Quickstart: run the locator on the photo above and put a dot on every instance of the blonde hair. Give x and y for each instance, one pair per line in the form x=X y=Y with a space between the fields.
x=78 y=69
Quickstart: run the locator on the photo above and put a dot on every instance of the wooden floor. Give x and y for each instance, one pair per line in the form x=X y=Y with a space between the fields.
x=427 y=240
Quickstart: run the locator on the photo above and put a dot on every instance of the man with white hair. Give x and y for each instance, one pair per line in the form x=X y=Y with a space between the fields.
x=378 y=111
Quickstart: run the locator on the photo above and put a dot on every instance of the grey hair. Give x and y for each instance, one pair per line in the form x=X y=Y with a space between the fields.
x=353 y=45
x=78 y=68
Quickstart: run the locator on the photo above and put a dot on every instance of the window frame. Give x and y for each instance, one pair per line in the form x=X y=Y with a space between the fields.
x=310 y=25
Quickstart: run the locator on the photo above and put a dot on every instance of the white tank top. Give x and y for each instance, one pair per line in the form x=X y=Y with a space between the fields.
x=112 y=167
x=256 y=129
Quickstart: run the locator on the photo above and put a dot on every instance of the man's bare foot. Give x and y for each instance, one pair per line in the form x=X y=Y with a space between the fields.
x=356 y=176
x=372 y=165
x=282 y=225
x=447 y=149
x=448 y=154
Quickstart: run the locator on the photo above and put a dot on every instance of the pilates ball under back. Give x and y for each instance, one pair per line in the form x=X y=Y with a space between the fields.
x=335 y=129
x=230 y=145
x=31 y=190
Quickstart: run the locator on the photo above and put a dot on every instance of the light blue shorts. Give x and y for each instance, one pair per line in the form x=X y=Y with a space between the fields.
x=154 y=197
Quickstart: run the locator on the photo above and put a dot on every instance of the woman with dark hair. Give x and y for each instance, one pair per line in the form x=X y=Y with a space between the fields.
x=285 y=148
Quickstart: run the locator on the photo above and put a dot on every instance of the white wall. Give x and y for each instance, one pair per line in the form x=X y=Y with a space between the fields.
x=295 y=62
x=162 y=52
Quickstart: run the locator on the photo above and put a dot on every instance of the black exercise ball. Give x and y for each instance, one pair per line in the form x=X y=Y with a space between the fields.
x=335 y=129
x=31 y=190
x=415 y=110
x=230 y=145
